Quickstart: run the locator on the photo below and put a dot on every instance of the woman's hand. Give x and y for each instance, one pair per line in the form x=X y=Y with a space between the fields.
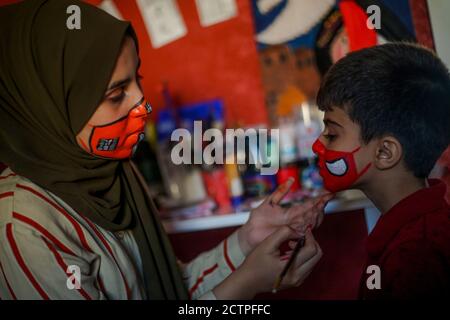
x=269 y=216
x=264 y=264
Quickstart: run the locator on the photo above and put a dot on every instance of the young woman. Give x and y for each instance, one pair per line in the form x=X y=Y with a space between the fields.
x=71 y=202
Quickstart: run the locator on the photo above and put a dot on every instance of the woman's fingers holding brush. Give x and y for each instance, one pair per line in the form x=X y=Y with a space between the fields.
x=310 y=213
x=304 y=263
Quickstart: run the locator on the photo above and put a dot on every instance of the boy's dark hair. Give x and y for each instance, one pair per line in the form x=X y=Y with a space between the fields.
x=398 y=89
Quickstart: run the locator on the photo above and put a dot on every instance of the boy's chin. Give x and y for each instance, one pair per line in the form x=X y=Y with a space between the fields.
x=334 y=188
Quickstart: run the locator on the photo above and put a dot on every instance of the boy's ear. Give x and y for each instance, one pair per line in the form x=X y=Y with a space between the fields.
x=388 y=153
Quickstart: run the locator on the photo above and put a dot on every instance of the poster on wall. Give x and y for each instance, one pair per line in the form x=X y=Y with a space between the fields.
x=163 y=21
x=110 y=7
x=215 y=11
x=298 y=40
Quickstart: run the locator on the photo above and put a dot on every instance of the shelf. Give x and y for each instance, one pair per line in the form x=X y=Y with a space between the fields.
x=239 y=218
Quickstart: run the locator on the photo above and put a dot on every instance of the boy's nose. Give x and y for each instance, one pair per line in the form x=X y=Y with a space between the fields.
x=318 y=147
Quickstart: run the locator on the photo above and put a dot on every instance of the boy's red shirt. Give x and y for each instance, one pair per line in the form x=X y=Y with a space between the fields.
x=445 y=162
x=411 y=245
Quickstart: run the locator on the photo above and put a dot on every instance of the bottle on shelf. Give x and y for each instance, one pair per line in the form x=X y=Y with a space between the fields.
x=183 y=182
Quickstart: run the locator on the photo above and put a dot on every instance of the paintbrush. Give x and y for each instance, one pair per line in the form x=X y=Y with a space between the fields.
x=298 y=246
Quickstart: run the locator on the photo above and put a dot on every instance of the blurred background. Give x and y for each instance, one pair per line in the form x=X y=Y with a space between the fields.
x=259 y=64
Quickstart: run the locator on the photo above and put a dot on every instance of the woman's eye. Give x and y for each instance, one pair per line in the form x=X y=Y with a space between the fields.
x=117 y=97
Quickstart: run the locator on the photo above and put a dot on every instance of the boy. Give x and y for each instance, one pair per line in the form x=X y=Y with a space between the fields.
x=443 y=167
x=387 y=121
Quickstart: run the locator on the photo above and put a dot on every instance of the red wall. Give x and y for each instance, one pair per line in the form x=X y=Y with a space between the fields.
x=217 y=61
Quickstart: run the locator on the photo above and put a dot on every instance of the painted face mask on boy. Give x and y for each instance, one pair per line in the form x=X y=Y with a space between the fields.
x=119 y=139
x=337 y=168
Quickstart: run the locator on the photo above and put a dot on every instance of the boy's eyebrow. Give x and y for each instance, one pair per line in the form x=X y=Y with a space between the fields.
x=328 y=121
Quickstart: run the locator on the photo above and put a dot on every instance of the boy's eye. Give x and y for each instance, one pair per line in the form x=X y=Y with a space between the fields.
x=330 y=137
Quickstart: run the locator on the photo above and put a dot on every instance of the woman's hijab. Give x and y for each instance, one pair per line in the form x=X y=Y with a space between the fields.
x=52 y=79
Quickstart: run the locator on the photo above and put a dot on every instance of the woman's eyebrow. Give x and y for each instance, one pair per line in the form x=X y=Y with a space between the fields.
x=122 y=82
x=118 y=83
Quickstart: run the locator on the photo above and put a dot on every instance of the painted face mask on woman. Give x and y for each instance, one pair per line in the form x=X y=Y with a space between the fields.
x=337 y=168
x=119 y=139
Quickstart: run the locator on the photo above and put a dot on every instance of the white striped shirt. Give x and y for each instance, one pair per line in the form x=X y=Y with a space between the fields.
x=41 y=236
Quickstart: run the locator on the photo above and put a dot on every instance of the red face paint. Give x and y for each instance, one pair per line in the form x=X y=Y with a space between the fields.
x=337 y=168
x=119 y=139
